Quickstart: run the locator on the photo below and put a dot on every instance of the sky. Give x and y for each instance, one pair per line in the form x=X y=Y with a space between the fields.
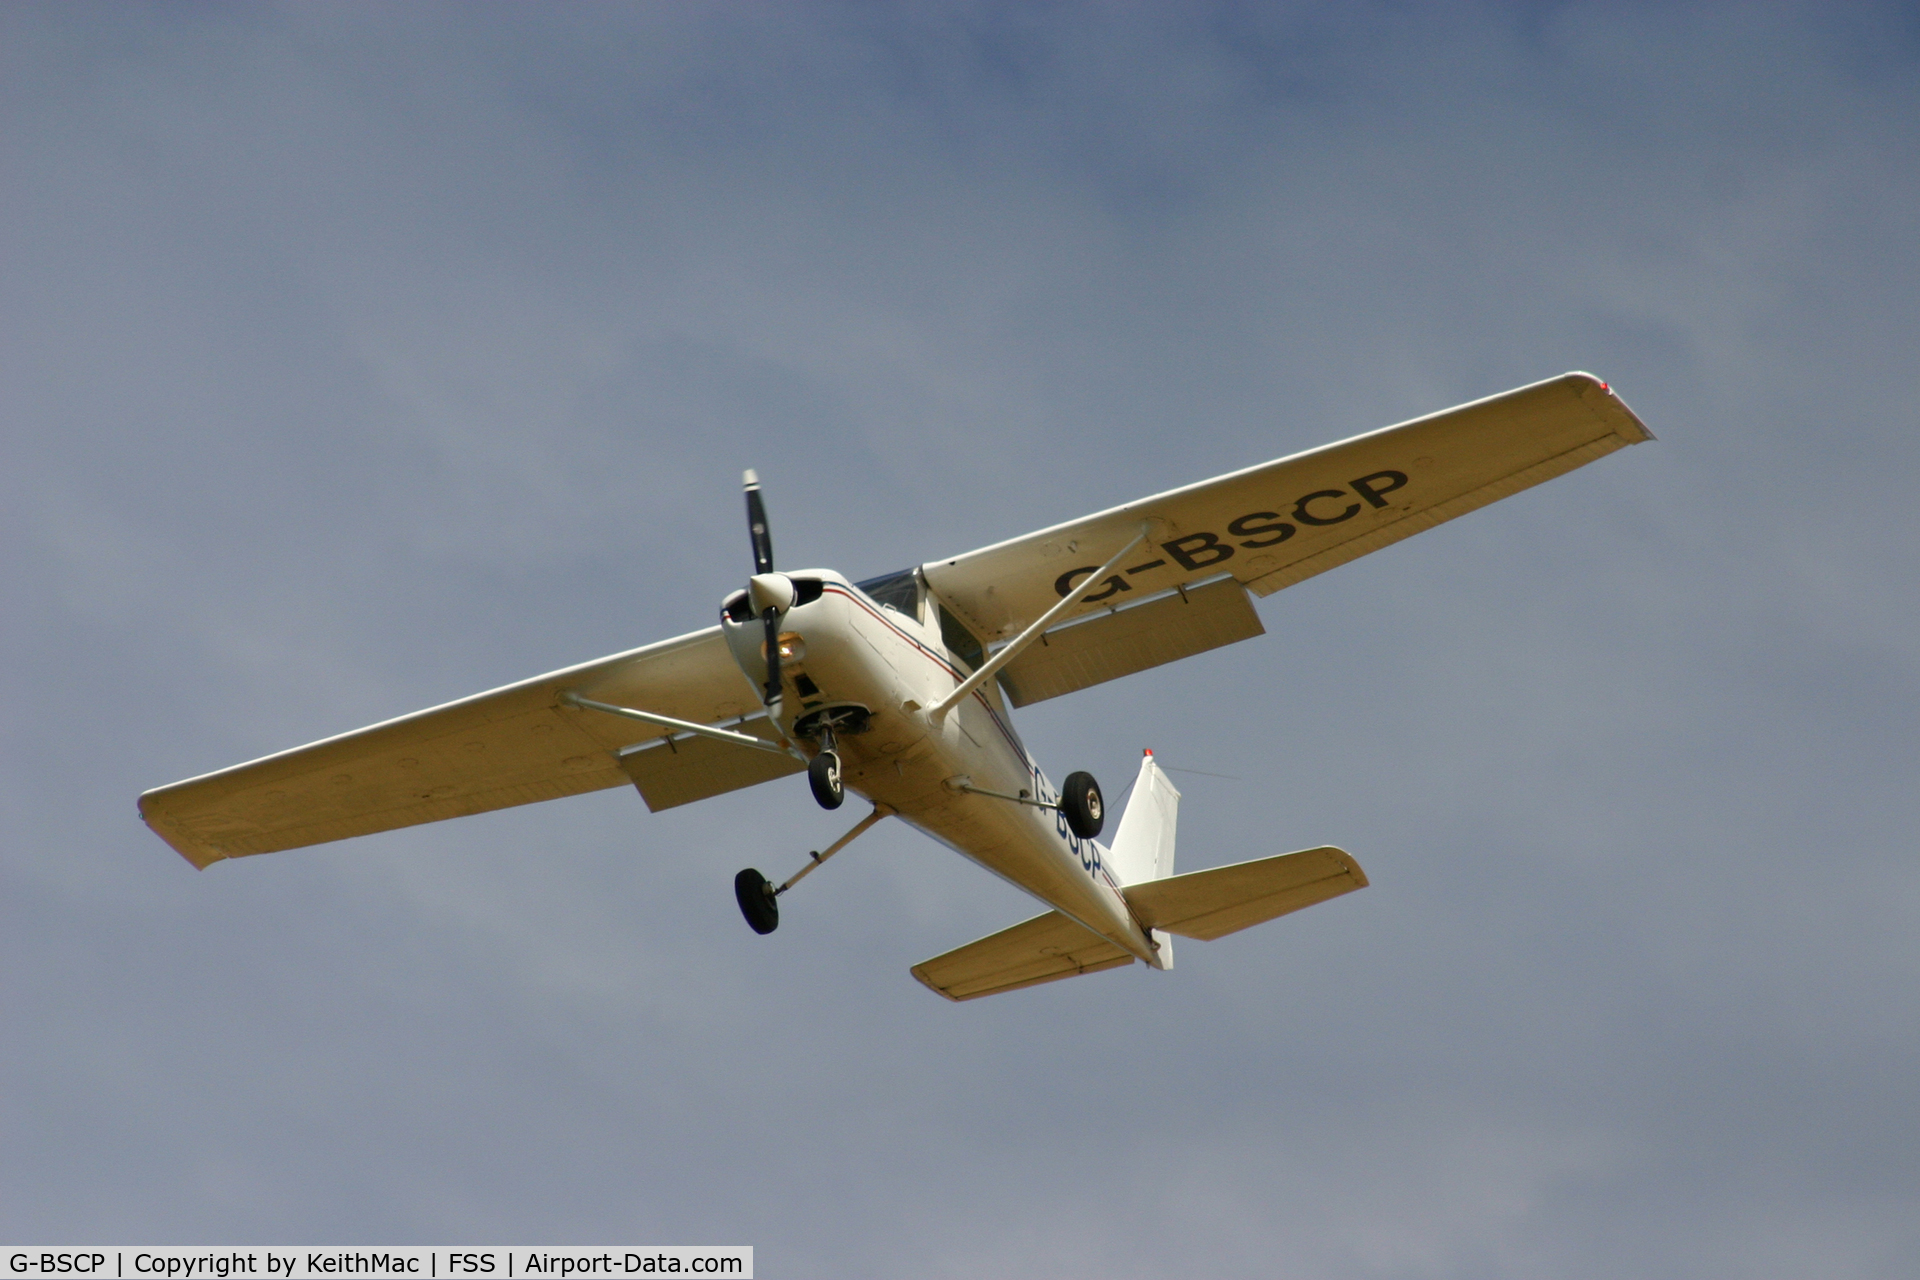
x=355 y=358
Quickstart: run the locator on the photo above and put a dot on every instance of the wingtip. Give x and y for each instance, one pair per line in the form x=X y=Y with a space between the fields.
x=919 y=973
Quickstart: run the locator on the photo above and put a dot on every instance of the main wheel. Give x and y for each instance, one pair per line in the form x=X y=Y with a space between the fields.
x=1080 y=801
x=823 y=775
x=756 y=900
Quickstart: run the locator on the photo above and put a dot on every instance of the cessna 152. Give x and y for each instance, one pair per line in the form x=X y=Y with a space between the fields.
x=897 y=688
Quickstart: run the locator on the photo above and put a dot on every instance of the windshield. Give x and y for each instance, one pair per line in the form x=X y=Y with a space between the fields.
x=898 y=591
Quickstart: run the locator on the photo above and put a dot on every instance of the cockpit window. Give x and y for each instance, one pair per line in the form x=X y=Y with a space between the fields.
x=899 y=591
x=961 y=643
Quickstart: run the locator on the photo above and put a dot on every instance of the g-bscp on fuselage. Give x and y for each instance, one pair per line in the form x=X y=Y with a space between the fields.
x=899 y=689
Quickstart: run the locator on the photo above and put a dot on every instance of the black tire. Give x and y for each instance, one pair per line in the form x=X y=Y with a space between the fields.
x=757 y=903
x=823 y=775
x=1080 y=800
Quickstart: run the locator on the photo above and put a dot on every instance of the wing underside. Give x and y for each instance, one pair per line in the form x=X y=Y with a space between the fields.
x=511 y=746
x=1273 y=525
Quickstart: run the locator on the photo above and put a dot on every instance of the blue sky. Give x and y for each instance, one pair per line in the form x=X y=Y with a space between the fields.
x=355 y=358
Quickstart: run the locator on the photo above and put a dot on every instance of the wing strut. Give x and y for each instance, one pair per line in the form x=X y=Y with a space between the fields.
x=571 y=699
x=991 y=667
x=879 y=811
x=964 y=783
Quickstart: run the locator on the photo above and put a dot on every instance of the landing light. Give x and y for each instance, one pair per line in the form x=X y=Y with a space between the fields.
x=792 y=647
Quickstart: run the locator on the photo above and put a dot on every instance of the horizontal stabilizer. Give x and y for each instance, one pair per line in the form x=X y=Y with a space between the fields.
x=1043 y=949
x=1211 y=904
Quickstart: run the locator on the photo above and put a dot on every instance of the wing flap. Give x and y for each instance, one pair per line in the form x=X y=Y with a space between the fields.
x=1273 y=525
x=510 y=746
x=1111 y=645
x=685 y=768
x=1214 y=903
x=1044 y=949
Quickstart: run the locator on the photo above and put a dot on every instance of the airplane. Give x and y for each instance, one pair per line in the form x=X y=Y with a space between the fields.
x=898 y=689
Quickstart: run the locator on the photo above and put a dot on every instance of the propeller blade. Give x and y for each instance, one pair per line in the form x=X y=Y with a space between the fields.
x=763 y=564
x=757 y=526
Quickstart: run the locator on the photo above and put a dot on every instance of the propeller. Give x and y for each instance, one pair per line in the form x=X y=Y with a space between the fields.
x=757 y=526
x=770 y=592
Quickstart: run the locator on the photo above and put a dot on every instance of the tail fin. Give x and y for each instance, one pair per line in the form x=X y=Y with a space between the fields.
x=1143 y=847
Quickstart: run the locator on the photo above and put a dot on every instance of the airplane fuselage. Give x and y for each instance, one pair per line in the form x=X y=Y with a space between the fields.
x=846 y=650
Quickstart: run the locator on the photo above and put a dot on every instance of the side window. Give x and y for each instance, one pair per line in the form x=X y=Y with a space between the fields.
x=961 y=642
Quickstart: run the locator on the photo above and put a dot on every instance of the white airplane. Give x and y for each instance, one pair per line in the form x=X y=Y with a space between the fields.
x=897 y=688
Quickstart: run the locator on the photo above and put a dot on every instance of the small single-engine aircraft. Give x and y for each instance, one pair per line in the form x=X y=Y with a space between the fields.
x=897 y=688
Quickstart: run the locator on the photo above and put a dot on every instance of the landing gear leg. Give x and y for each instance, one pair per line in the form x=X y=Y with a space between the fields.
x=759 y=900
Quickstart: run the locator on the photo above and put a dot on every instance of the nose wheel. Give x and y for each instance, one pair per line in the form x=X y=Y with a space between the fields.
x=823 y=775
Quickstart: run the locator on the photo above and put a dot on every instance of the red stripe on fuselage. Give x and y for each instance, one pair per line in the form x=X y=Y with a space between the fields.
x=1006 y=730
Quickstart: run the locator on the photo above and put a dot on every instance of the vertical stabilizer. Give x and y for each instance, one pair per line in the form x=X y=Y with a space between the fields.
x=1143 y=847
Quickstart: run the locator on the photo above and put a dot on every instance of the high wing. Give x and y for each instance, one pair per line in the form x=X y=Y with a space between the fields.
x=510 y=746
x=1266 y=528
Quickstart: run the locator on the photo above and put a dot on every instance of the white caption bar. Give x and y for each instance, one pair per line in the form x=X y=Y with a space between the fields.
x=334 y=1262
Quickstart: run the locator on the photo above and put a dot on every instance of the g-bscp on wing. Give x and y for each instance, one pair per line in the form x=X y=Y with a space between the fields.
x=898 y=689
